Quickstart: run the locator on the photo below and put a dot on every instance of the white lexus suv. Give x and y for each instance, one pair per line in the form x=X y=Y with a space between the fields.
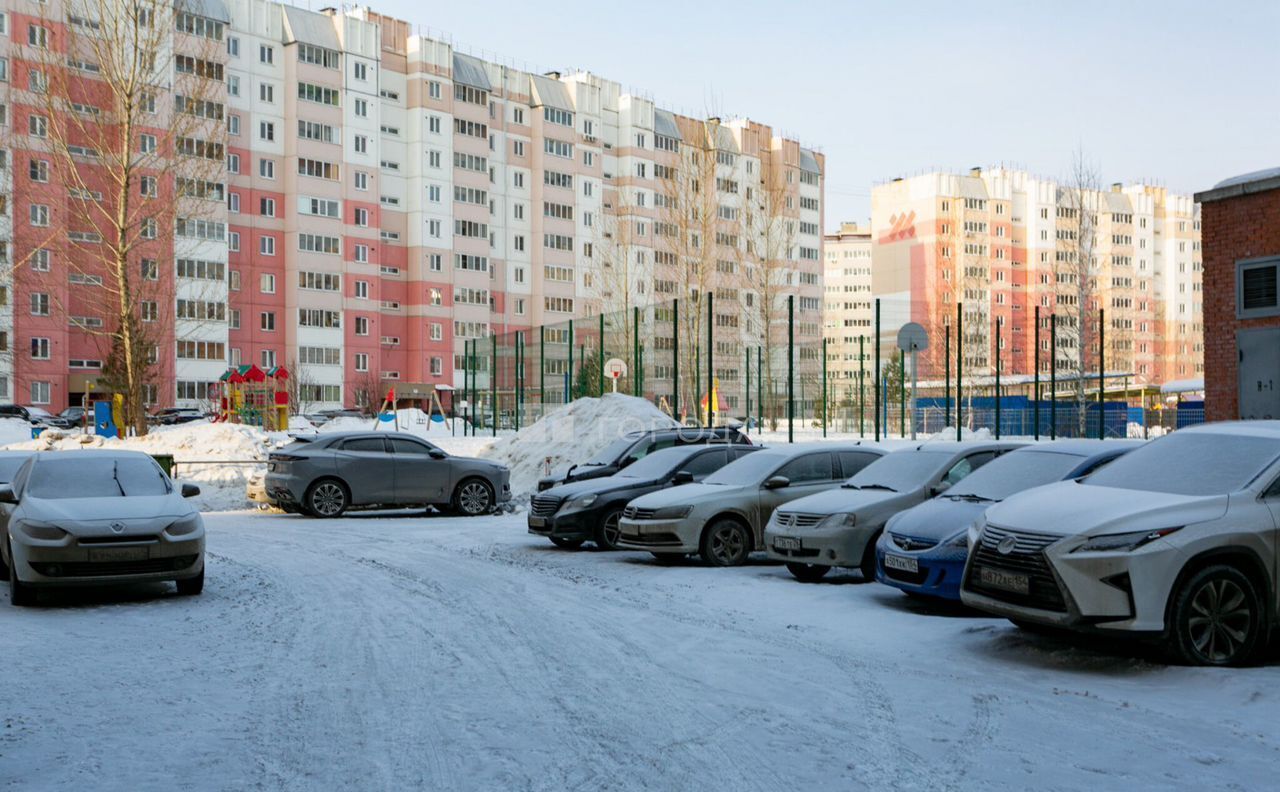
x=1177 y=539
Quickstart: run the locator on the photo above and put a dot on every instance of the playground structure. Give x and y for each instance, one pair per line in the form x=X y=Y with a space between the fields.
x=255 y=397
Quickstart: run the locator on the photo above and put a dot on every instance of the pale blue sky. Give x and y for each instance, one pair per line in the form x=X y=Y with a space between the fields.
x=1179 y=93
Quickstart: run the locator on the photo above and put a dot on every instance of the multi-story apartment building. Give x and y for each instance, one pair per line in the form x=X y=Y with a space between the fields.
x=847 y=308
x=1002 y=242
x=388 y=199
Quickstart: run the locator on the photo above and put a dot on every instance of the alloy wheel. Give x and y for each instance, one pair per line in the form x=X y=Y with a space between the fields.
x=474 y=498
x=328 y=500
x=611 y=531
x=728 y=544
x=1220 y=620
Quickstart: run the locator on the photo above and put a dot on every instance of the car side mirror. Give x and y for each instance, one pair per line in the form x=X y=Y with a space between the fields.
x=436 y=453
x=190 y=490
x=7 y=495
x=777 y=482
x=683 y=477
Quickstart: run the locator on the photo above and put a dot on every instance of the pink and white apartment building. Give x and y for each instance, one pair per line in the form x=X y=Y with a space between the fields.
x=994 y=239
x=389 y=199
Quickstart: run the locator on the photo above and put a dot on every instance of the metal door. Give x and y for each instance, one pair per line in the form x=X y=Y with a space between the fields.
x=1259 y=361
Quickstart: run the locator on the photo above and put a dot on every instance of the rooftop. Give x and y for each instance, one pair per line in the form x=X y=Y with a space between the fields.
x=1244 y=184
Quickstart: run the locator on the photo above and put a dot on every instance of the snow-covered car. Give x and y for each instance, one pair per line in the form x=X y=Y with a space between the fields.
x=571 y=514
x=839 y=528
x=923 y=549
x=97 y=517
x=42 y=417
x=325 y=475
x=172 y=416
x=634 y=446
x=722 y=518
x=1177 y=539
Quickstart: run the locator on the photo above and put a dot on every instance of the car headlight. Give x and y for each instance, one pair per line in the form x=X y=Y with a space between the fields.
x=960 y=541
x=1125 y=542
x=584 y=501
x=672 y=513
x=846 y=520
x=185 y=526
x=45 y=532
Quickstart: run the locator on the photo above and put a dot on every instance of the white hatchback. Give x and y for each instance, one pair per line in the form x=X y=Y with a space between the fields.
x=1177 y=539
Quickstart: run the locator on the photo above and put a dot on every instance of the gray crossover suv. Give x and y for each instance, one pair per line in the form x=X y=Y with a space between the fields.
x=326 y=475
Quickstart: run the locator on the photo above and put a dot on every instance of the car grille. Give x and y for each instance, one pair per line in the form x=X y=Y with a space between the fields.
x=798 y=520
x=109 y=568
x=1027 y=558
x=544 y=505
x=910 y=544
x=115 y=540
x=632 y=513
x=652 y=540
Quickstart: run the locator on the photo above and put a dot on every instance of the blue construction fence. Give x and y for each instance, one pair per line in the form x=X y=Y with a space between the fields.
x=1018 y=416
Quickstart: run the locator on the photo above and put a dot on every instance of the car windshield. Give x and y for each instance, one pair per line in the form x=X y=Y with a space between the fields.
x=610 y=453
x=1013 y=473
x=1190 y=463
x=658 y=464
x=9 y=468
x=71 y=412
x=39 y=413
x=901 y=471
x=96 y=477
x=748 y=469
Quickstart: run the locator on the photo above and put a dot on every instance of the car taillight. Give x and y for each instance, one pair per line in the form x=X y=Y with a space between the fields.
x=285 y=458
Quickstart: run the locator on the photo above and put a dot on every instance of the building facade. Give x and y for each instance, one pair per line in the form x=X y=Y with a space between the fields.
x=387 y=199
x=848 y=318
x=1003 y=242
x=1242 y=297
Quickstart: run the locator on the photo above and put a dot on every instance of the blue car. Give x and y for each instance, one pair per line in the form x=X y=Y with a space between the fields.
x=923 y=549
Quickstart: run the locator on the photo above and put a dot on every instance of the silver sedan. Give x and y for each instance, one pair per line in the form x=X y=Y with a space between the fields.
x=97 y=517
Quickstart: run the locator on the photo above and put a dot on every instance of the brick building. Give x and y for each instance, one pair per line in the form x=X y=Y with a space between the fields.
x=1241 y=231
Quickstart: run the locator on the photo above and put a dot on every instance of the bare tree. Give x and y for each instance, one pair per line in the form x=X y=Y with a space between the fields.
x=626 y=269
x=1077 y=266
x=301 y=388
x=126 y=152
x=367 y=392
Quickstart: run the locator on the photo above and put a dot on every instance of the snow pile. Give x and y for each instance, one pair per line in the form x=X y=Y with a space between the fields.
x=14 y=430
x=1137 y=430
x=222 y=484
x=965 y=434
x=410 y=420
x=571 y=435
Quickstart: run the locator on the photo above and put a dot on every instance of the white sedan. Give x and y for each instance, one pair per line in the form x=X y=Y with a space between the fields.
x=1176 y=540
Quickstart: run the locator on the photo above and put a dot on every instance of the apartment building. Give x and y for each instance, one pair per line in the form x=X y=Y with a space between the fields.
x=388 y=199
x=848 y=317
x=1003 y=242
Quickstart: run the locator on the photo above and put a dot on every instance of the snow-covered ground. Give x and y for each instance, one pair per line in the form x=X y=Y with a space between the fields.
x=438 y=653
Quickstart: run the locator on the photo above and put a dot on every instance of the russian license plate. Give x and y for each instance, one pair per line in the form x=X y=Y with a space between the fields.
x=1008 y=581
x=118 y=554
x=786 y=543
x=901 y=563
x=537 y=522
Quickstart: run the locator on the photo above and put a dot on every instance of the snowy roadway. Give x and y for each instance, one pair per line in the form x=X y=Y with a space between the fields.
x=428 y=653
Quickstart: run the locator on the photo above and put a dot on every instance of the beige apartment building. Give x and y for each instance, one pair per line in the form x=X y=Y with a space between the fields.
x=847 y=302
x=1002 y=243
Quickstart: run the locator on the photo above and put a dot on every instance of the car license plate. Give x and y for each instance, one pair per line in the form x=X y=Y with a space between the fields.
x=118 y=554
x=786 y=543
x=537 y=522
x=901 y=563
x=1008 y=581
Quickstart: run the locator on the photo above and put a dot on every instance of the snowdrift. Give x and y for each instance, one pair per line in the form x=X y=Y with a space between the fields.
x=572 y=434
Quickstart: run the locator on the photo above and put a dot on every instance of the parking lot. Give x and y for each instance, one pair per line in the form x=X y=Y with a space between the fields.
x=410 y=652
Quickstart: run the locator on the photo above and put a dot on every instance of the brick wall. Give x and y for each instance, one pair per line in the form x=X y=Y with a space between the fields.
x=1241 y=227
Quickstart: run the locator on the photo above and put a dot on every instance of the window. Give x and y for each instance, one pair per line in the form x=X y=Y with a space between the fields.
x=267 y=321
x=267 y=168
x=362 y=254
x=39 y=215
x=267 y=207
x=362 y=180
x=361 y=107
x=1258 y=288
x=233 y=163
x=39 y=170
x=267 y=284
x=150 y=269
x=808 y=468
x=38 y=125
x=266 y=130
x=267 y=92
x=361 y=362
x=233 y=85
x=40 y=260
x=267 y=245
x=361 y=144
x=434 y=262
x=233 y=46
x=266 y=54
x=361 y=217
x=41 y=393
x=38 y=36
x=362 y=290
x=362 y=326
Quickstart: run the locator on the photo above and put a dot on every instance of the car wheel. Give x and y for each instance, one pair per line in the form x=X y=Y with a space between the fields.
x=868 y=565
x=473 y=497
x=808 y=573
x=4 y=568
x=20 y=594
x=608 y=534
x=1217 y=618
x=191 y=586
x=566 y=544
x=327 y=498
x=725 y=543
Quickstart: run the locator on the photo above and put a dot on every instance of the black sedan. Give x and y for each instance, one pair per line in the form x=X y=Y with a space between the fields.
x=573 y=513
x=636 y=445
